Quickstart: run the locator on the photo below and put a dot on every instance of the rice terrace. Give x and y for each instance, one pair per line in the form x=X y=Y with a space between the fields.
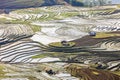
x=59 y=40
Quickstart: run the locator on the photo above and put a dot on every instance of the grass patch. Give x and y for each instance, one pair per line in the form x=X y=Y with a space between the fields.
x=106 y=35
x=40 y=56
x=56 y=54
x=69 y=14
x=53 y=54
x=118 y=5
x=117 y=72
x=4 y=21
x=19 y=22
x=2 y=73
x=35 y=28
x=58 y=44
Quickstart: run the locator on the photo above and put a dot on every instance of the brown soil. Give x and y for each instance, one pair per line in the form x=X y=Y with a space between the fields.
x=89 y=41
x=91 y=74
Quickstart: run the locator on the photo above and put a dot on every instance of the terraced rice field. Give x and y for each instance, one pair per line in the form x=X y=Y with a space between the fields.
x=25 y=35
x=19 y=51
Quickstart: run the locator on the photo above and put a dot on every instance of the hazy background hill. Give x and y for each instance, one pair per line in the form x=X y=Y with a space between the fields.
x=28 y=3
x=36 y=3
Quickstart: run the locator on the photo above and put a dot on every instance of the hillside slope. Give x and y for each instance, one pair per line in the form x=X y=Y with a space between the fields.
x=28 y=3
x=15 y=4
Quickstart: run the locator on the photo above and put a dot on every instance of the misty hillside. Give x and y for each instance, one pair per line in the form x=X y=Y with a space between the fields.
x=13 y=4
x=28 y=3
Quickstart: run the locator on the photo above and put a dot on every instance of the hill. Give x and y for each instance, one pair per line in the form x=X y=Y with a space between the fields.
x=14 y=4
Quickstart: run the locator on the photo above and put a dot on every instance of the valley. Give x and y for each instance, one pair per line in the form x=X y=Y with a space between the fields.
x=72 y=41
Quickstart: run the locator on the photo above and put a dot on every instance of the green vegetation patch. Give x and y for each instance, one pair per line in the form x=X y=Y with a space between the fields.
x=19 y=22
x=35 y=28
x=118 y=5
x=4 y=21
x=105 y=35
x=39 y=56
x=2 y=73
x=57 y=55
x=69 y=14
x=59 y=44
x=53 y=54
x=117 y=72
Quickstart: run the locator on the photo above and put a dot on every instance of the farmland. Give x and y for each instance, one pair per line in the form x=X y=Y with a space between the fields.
x=30 y=42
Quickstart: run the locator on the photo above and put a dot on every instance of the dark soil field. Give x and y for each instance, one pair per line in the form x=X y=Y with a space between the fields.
x=91 y=74
x=90 y=41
